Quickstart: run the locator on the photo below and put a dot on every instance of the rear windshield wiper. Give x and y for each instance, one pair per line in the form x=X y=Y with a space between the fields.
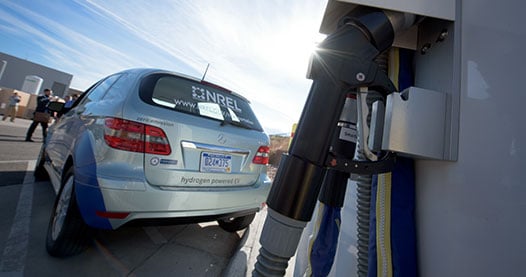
x=234 y=123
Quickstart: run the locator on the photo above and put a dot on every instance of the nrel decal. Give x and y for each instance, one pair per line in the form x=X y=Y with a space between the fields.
x=201 y=94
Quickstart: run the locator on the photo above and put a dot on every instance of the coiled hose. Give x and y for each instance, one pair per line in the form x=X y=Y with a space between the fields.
x=363 y=206
x=364 y=184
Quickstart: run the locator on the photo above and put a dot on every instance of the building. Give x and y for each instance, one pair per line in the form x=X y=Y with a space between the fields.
x=15 y=73
x=29 y=79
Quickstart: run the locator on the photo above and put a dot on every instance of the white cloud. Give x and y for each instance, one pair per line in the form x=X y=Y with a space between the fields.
x=259 y=49
x=73 y=52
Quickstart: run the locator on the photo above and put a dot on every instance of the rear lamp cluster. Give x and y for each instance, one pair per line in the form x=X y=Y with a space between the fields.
x=136 y=137
x=262 y=155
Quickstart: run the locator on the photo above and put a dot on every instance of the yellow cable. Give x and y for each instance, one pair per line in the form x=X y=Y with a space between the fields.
x=383 y=226
x=394 y=65
x=383 y=194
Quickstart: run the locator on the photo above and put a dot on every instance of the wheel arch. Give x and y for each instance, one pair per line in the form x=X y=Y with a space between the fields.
x=87 y=190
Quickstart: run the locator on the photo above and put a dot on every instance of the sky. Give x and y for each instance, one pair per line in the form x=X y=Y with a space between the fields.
x=257 y=48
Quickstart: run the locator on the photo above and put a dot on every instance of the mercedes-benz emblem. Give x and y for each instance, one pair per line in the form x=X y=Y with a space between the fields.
x=221 y=138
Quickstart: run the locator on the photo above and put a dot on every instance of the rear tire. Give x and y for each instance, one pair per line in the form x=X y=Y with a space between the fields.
x=236 y=223
x=40 y=172
x=67 y=233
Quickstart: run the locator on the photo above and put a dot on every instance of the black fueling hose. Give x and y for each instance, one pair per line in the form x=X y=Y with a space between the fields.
x=345 y=62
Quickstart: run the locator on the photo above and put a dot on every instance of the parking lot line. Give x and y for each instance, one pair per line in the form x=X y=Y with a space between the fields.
x=14 y=254
x=21 y=161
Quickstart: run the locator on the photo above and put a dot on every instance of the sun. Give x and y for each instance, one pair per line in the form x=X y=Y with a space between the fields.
x=288 y=50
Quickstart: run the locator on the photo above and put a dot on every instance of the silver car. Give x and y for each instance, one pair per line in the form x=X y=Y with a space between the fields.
x=150 y=146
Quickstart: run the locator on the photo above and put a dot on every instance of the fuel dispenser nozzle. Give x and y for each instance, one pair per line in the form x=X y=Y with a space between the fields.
x=343 y=64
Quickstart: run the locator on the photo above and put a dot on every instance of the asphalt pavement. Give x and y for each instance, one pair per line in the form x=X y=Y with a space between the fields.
x=22 y=123
x=240 y=264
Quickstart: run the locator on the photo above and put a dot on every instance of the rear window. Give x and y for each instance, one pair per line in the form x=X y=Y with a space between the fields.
x=183 y=95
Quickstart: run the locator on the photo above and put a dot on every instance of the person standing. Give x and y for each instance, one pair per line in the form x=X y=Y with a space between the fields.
x=42 y=103
x=12 y=107
x=71 y=100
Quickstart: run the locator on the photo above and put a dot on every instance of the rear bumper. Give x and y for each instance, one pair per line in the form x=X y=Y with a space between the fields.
x=159 y=206
x=187 y=220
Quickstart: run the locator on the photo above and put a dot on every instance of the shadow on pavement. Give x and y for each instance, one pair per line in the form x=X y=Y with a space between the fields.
x=12 y=173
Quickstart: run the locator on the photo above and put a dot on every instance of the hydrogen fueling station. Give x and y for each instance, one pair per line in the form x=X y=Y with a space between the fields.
x=408 y=158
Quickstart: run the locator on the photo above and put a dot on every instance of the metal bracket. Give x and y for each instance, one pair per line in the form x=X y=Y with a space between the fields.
x=386 y=164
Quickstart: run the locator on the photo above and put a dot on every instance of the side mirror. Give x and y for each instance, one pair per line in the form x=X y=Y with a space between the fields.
x=55 y=106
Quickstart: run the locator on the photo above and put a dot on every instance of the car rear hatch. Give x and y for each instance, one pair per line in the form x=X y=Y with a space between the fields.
x=214 y=138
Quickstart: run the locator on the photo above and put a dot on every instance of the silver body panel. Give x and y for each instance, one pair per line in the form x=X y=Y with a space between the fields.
x=153 y=185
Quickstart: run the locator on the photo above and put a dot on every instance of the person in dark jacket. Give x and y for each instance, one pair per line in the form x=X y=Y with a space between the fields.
x=42 y=103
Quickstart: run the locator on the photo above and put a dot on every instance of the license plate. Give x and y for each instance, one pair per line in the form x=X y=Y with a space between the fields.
x=213 y=162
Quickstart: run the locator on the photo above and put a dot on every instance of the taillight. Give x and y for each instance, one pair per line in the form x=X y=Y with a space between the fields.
x=262 y=155
x=136 y=137
x=156 y=141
